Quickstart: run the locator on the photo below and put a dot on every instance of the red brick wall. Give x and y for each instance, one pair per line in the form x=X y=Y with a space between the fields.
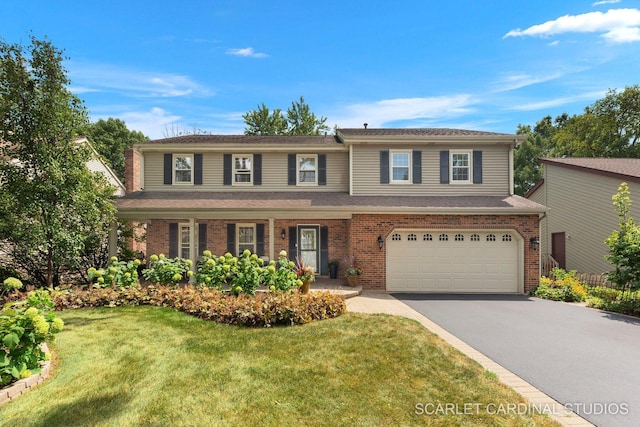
x=365 y=229
x=132 y=168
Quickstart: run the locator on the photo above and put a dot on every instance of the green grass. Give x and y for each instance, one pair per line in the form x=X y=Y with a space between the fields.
x=134 y=366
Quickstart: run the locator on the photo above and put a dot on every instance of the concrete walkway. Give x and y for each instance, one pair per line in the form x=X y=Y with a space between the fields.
x=380 y=302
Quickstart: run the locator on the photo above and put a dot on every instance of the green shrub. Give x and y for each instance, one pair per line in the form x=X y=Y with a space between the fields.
x=560 y=286
x=24 y=326
x=628 y=305
x=167 y=271
x=244 y=274
x=263 y=309
x=117 y=273
x=603 y=292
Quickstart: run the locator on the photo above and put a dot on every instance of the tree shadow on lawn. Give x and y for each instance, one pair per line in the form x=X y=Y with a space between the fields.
x=85 y=411
x=78 y=321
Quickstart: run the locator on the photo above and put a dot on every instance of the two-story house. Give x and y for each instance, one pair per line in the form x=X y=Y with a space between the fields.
x=422 y=210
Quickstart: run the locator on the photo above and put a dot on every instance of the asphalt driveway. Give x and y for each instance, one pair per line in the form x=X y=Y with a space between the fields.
x=586 y=359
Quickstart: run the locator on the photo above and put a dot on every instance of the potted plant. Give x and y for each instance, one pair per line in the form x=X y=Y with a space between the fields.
x=305 y=274
x=333 y=268
x=353 y=271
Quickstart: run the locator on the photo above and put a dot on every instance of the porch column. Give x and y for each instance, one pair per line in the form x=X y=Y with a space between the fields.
x=113 y=239
x=271 y=239
x=192 y=243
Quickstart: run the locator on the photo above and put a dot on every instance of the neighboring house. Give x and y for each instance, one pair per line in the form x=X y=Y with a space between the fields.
x=578 y=193
x=422 y=210
x=96 y=164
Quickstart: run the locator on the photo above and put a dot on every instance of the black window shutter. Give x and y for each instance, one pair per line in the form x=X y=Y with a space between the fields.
x=291 y=169
x=324 y=250
x=257 y=169
x=293 y=243
x=168 y=169
x=231 y=239
x=444 y=167
x=260 y=239
x=226 y=166
x=173 y=240
x=477 y=167
x=202 y=238
x=197 y=169
x=417 y=166
x=384 y=167
x=322 y=169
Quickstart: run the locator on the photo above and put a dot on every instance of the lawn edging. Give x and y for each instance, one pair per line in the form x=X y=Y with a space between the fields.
x=22 y=386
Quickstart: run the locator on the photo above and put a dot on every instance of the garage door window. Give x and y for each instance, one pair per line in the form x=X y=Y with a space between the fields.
x=396 y=237
x=427 y=237
x=475 y=238
x=491 y=237
x=412 y=237
x=459 y=238
x=444 y=238
x=506 y=237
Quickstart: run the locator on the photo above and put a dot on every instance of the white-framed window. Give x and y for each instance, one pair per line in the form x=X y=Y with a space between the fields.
x=184 y=241
x=460 y=167
x=246 y=237
x=400 y=162
x=183 y=168
x=307 y=168
x=242 y=169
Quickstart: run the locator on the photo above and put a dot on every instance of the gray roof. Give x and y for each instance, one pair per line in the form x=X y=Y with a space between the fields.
x=617 y=168
x=415 y=132
x=317 y=201
x=245 y=139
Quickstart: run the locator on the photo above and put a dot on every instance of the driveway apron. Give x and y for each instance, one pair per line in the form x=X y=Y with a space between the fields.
x=586 y=359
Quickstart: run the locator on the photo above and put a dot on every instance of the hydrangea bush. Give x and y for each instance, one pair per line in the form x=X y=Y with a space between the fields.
x=167 y=271
x=24 y=326
x=117 y=273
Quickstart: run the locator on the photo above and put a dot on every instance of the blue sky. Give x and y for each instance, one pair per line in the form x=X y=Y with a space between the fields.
x=484 y=65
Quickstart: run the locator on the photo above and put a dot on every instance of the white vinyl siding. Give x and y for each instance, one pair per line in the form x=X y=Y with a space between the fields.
x=580 y=205
x=495 y=172
x=274 y=174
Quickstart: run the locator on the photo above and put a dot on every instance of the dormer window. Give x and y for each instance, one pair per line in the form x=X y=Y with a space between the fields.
x=183 y=168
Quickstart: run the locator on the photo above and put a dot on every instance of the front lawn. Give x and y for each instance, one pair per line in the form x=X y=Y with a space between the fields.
x=131 y=366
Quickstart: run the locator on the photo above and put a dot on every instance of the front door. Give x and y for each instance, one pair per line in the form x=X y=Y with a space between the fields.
x=308 y=245
x=558 y=249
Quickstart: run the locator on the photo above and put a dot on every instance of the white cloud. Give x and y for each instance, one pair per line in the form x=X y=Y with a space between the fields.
x=556 y=102
x=378 y=113
x=133 y=82
x=617 y=26
x=246 y=52
x=599 y=3
x=152 y=123
x=519 y=80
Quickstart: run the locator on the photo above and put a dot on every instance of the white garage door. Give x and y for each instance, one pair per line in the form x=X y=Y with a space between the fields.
x=452 y=261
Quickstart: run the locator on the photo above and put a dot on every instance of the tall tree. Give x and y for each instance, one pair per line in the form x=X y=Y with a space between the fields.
x=50 y=203
x=527 y=169
x=111 y=138
x=299 y=120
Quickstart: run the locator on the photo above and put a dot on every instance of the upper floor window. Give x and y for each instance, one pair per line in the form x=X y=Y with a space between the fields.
x=183 y=168
x=400 y=161
x=242 y=169
x=461 y=167
x=307 y=167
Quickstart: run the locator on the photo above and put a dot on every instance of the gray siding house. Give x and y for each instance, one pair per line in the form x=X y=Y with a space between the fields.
x=578 y=193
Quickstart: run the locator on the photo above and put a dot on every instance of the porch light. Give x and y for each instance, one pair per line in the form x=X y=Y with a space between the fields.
x=283 y=234
x=380 y=242
x=534 y=242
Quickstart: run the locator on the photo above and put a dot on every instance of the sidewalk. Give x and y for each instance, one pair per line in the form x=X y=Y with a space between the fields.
x=380 y=302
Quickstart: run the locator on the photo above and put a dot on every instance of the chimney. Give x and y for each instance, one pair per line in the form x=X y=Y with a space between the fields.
x=132 y=169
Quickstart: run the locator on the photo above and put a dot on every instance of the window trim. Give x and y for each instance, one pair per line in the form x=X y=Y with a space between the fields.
x=469 y=179
x=234 y=170
x=301 y=156
x=255 y=237
x=175 y=170
x=181 y=246
x=409 y=179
